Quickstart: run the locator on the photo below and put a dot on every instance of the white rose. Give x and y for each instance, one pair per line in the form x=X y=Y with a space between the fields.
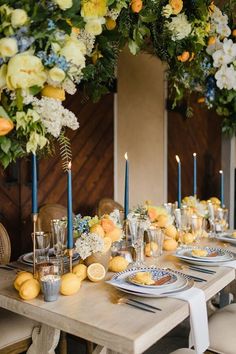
x=94 y=26
x=8 y=47
x=3 y=74
x=180 y=27
x=74 y=51
x=18 y=18
x=56 y=74
x=64 y=4
x=24 y=71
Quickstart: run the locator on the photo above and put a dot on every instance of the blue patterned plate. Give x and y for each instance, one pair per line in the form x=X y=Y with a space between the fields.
x=161 y=278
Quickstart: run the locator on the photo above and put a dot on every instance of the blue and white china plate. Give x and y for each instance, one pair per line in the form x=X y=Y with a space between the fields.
x=227 y=237
x=157 y=275
x=185 y=254
x=28 y=257
x=119 y=281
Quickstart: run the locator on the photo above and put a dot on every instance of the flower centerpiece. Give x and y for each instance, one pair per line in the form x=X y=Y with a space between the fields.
x=96 y=235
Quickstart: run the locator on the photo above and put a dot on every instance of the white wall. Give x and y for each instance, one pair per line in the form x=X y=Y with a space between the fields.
x=140 y=129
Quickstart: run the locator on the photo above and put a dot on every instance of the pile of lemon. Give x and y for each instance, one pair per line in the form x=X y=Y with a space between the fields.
x=28 y=287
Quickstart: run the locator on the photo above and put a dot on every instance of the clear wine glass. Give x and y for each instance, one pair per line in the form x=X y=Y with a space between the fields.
x=137 y=239
x=59 y=237
x=197 y=227
x=156 y=238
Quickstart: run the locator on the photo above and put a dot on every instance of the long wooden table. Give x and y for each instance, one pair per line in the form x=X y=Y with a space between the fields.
x=92 y=315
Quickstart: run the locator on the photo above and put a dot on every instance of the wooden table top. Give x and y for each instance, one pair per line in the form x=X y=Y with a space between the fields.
x=91 y=314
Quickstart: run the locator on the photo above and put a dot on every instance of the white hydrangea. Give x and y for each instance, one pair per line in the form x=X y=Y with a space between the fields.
x=88 y=244
x=54 y=116
x=113 y=14
x=69 y=86
x=226 y=77
x=180 y=27
x=88 y=39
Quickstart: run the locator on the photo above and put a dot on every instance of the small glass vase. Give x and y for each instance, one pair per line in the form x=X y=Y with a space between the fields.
x=99 y=257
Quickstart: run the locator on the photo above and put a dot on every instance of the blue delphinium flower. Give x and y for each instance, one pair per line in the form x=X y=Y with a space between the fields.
x=81 y=224
x=210 y=89
x=51 y=25
x=53 y=59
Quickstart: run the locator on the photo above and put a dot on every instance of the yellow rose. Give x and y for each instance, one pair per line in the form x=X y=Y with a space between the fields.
x=56 y=74
x=18 y=18
x=64 y=4
x=24 y=71
x=8 y=47
x=74 y=51
x=3 y=74
x=94 y=26
x=53 y=92
x=177 y=6
x=94 y=8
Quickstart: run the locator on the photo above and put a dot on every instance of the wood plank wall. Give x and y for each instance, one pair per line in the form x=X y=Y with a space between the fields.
x=201 y=134
x=92 y=168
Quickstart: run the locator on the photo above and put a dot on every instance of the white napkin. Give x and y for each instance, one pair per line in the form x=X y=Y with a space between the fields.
x=231 y=264
x=199 y=334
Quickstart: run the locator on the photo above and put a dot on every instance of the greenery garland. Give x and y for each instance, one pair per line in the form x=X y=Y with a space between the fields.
x=49 y=47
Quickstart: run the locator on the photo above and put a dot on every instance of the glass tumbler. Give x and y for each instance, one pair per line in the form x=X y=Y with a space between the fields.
x=42 y=246
x=59 y=237
x=156 y=238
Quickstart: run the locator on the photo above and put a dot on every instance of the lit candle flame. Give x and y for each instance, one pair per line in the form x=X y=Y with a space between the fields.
x=126 y=156
x=177 y=158
x=221 y=172
x=69 y=165
x=194 y=154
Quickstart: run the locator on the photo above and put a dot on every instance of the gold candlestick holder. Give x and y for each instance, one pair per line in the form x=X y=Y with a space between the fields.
x=70 y=254
x=34 y=220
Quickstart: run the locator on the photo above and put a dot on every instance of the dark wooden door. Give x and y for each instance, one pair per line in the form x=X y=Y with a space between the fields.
x=92 y=168
x=201 y=134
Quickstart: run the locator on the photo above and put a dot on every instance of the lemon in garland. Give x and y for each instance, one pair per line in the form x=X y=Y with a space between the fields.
x=81 y=271
x=118 y=264
x=110 y=24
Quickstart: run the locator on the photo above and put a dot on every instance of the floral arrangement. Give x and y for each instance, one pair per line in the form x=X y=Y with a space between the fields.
x=49 y=48
x=97 y=234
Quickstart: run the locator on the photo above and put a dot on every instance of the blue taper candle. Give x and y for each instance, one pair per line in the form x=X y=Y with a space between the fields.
x=70 y=242
x=34 y=184
x=195 y=174
x=222 y=188
x=179 y=181
x=126 y=196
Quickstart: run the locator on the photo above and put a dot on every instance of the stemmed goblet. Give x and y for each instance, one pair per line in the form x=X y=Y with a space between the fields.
x=59 y=236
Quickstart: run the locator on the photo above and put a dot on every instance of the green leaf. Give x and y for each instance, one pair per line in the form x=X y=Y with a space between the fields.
x=3 y=113
x=133 y=47
x=34 y=90
x=19 y=100
x=5 y=144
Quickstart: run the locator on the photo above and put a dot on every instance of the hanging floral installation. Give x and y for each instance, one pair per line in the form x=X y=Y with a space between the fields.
x=49 y=48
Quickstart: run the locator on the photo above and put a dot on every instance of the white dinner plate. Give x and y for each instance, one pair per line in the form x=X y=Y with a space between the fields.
x=186 y=255
x=226 y=237
x=119 y=282
x=157 y=274
x=28 y=257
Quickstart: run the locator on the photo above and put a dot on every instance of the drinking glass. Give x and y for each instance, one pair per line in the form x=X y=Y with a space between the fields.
x=42 y=245
x=59 y=236
x=137 y=234
x=221 y=220
x=156 y=238
x=196 y=226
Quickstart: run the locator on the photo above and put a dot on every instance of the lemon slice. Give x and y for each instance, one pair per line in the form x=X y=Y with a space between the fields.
x=96 y=272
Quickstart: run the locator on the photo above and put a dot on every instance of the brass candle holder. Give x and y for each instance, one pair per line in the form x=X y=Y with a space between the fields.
x=34 y=220
x=70 y=255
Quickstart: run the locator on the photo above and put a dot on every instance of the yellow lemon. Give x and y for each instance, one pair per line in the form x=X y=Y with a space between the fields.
x=152 y=246
x=107 y=244
x=95 y=56
x=162 y=220
x=234 y=33
x=29 y=289
x=118 y=264
x=170 y=245
x=96 y=272
x=21 y=278
x=215 y=200
x=188 y=238
x=70 y=284
x=171 y=231
x=199 y=253
x=81 y=271
x=211 y=40
x=110 y=24
x=53 y=92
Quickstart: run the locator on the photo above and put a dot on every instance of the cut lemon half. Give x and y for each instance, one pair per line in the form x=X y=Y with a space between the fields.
x=96 y=272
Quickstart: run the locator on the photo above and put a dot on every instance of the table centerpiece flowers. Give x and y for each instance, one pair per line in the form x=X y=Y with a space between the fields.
x=95 y=237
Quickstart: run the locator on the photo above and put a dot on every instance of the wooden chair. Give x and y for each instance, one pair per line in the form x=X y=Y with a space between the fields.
x=15 y=330
x=48 y=212
x=107 y=205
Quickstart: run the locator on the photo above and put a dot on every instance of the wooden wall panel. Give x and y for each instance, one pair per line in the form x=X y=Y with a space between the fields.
x=201 y=134
x=92 y=168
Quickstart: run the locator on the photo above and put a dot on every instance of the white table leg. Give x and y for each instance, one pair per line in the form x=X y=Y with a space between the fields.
x=44 y=340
